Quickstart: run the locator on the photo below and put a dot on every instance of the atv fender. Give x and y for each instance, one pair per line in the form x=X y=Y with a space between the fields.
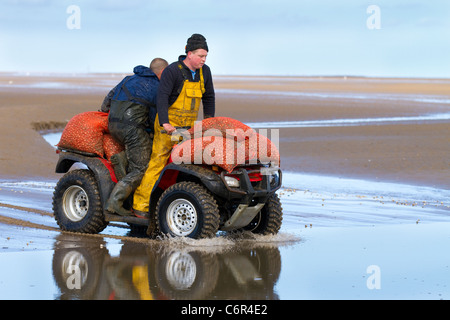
x=205 y=176
x=105 y=175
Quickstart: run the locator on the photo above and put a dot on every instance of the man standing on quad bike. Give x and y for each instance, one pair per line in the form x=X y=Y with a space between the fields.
x=183 y=85
x=132 y=111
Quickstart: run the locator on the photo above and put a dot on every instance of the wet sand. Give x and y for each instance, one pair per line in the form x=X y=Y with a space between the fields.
x=415 y=152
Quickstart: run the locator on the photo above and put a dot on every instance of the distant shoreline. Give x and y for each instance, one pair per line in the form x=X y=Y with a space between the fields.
x=224 y=76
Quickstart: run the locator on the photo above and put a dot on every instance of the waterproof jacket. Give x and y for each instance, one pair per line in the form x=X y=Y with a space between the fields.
x=172 y=80
x=140 y=88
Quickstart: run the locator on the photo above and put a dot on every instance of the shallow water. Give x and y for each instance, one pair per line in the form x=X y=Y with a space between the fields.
x=438 y=117
x=340 y=239
x=382 y=262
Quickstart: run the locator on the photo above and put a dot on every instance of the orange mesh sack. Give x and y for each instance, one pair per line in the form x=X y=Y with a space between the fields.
x=226 y=152
x=111 y=146
x=221 y=126
x=211 y=150
x=84 y=132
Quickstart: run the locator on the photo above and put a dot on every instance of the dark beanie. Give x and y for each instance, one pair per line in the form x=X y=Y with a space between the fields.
x=196 y=41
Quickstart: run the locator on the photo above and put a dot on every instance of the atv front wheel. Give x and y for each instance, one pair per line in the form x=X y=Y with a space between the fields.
x=76 y=203
x=268 y=220
x=187 y=209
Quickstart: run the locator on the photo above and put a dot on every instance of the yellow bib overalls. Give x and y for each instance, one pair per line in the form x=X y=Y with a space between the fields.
x=182 y=113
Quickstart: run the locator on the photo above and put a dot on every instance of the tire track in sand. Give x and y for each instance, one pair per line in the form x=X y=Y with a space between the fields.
x=41 y=212
x=28 y=224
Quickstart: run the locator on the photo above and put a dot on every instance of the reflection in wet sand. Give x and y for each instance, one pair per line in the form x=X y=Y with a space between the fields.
x=221 y=268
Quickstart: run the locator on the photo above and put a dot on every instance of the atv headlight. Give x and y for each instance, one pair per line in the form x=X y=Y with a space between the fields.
x=274 y=180
x=273 y=175
x=232 y=182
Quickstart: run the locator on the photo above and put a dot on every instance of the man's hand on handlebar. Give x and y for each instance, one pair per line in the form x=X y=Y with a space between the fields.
x=168 y=128
x=177 y=133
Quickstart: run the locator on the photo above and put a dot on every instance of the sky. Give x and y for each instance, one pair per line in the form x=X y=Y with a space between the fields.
x=374 y=38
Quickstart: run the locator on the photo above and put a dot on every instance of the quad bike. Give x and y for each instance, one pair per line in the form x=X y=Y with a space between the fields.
x=189 y=200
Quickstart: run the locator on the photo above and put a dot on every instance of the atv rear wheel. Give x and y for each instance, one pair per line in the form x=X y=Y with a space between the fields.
x=268 y=220
x=187 y=209
x=76 y=203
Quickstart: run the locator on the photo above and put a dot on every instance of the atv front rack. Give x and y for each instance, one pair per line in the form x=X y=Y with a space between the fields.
x=259 y=189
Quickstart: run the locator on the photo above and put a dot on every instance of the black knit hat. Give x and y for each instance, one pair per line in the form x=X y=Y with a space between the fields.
x=196 y=41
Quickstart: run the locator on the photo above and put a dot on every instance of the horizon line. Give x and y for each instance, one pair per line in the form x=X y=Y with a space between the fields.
x=318 y=76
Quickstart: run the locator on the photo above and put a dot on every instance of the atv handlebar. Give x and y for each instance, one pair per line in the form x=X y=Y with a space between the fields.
x=180 y=132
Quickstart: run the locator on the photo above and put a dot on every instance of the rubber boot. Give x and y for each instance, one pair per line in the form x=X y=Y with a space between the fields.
x=118 y=195
x=141 y=214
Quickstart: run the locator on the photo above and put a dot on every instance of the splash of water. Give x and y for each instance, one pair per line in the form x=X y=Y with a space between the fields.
x=228 y=241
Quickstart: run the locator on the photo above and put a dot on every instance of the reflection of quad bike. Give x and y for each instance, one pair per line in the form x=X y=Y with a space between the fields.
x=188 y=200
x=86 y=270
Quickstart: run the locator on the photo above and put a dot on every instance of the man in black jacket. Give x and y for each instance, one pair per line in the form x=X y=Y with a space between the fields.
x=184 y=84
x=172 y=82
x=132 y=111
